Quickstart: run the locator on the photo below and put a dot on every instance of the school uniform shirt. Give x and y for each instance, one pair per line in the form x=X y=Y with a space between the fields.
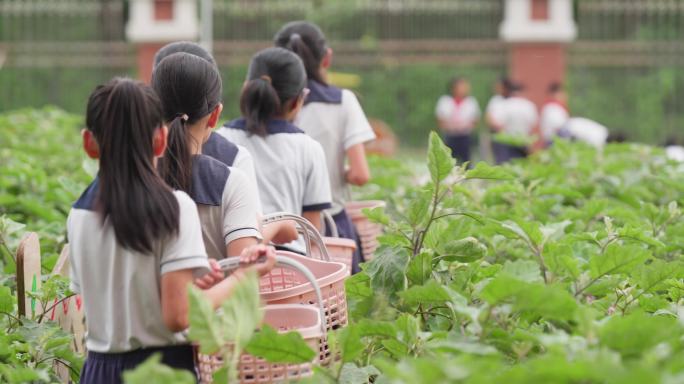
x=459 y=115
x=230 y=154
x=290 y=166
x=587 y=130
x=518 y=116
x=120 y=287
x=494 y=107
x=227 y=202
x=554 y=116
x=334 y=118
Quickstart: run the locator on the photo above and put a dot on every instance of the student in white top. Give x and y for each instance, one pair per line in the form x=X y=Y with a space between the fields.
x=290 y=166
x=334 y=118
x=135 y=244
x=230 y=154
x=554 y=113
x=519 y=117
x=457 y=115
x=190 y=90
x=493 y=110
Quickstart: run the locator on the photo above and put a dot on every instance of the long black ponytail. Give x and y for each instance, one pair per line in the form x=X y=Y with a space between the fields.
x=190 y=88
x=275 y=78
x=123 y=115
x=308 y=42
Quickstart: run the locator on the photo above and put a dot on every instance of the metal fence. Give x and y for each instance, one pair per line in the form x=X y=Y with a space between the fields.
x=624 y=69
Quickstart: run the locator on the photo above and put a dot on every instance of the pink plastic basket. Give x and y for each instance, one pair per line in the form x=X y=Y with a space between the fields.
x=367 y=230
x=304 y=318
x=339 y=249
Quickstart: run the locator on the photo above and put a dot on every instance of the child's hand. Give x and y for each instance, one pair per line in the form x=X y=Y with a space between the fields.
x=212 y=278
x=252 y=256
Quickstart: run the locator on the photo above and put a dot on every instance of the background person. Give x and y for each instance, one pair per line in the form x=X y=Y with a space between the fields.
x=457 y=115
x=518 y=118
x=554 y=113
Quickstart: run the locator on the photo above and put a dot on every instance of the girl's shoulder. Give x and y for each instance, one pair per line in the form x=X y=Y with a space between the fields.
x=323 y=93
x=220 y=148
x=209 y=179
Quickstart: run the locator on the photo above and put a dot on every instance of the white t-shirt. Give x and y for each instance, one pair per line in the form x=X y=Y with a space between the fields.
x=494 y=108
x=227 y=202
x=460 y=118
x=232 y=155
x=121 y=288
x=518 y=116
x=553 y=117
x=290 y=167
x=587 y=130
x=334 y=118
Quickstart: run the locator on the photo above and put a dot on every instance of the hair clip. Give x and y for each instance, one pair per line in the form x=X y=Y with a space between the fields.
x=266 y=78
x=295 y=36
x=183 y=116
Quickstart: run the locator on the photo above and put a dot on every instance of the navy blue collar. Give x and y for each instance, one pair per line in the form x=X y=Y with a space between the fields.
x=321 y=93
x=272 y=127
x=89 y=196
x=220 y=149
x=209 y=178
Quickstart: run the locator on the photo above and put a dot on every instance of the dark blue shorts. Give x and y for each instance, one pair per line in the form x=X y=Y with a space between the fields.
x=459 y=145
x=346 y=230
x=504 y=153
x=108 y=368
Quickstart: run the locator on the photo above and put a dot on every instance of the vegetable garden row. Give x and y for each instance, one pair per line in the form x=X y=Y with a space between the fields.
x=563 y=268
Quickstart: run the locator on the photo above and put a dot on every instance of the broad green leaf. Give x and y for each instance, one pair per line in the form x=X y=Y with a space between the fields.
x=408 y=327
x=205 y=327
x=482 y=170
x=277 y=347
x=525 y=270
x=429 y=294
x=152 y=371
x=652 y=277
x=457 y=347
x=418 y=208
x=617 y=259
x=419 y=268
x=554 y=231
x=369 y=327
x=561 y=261
x=352 y=374
x=349 y=342
x=387 y=270
x=440 y=162
x=634 y=334
x=377 y=215
x=242 y=312
x=359 y=295
x=6 y=300
x=534 y=300
x=465 y=250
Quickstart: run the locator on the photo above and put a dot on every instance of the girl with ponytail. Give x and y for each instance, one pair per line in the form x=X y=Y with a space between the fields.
x=334 y=118
x=135 y=244
x=290 y=166
x=227 y=152
x=190 y=89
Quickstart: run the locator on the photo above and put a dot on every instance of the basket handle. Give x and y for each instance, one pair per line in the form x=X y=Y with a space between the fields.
x=330 y=224
x=233 y=263
x=305 y=228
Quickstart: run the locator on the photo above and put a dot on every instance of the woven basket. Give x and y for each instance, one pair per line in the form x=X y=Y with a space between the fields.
x=304 y=318
x=368 y=231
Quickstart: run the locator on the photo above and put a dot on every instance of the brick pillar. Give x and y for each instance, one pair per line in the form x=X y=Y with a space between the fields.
x=536 y=65
x=154 y=23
